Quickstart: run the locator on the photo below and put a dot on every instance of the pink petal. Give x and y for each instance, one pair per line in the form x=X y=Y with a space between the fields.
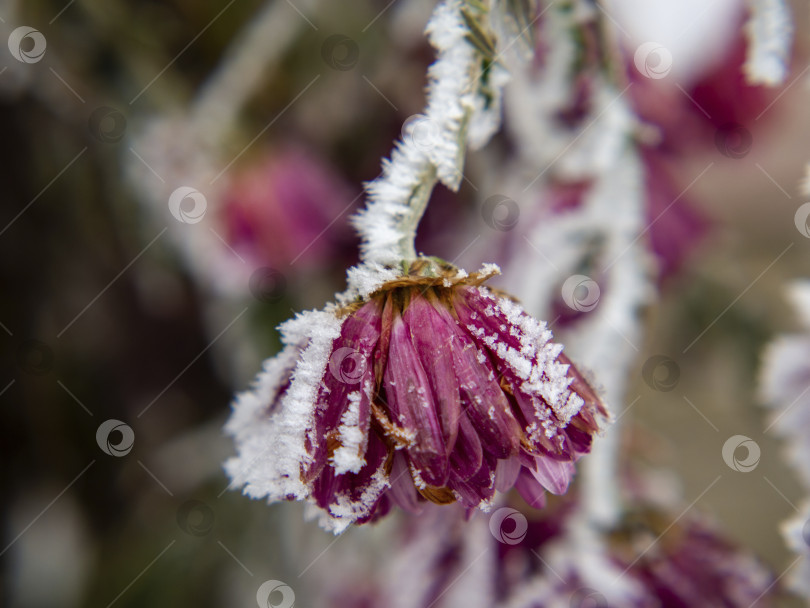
x=328 y=487
x=465 y=459
x=592 y=405
x=483 y=400
x=553 y=474
x=349 y=370
x=506 y=473
x=412 y=406
x=402 y=490
x=479 y=488
x=530 y=490
x=432 y=337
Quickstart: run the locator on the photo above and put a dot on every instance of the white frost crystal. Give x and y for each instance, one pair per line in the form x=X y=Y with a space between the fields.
x=770 y=33
x=785 y=386
x=457 y=110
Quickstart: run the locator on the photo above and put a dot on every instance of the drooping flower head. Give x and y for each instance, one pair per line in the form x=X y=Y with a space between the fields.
x=430 y=387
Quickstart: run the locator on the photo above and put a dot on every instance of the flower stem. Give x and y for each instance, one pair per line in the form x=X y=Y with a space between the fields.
x=417 y=205
x=459 y=92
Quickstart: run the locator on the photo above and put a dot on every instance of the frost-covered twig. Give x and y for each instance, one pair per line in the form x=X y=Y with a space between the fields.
x=785 y=386
x=462 y=107
x=606 y=227
x=183 y=146
x=181 y=150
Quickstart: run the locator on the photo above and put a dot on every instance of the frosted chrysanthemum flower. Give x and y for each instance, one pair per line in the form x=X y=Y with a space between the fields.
x=432 y=387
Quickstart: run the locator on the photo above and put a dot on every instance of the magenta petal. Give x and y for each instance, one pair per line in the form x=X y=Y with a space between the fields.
x=349 y=370
x=467 y=453
x=479 y=488
x=580 y=440
x=527 y=459
x=491 y=331
x=553 y=474
x=329 y=488
x=412 y=407
x=380 y=510
x=402 y=490
x=506 y=473
x=535 y=415
x=432 y=337
x=530 y=490
x=477 y=308
x=591 y=402
x=496 y=327
x=483 y=400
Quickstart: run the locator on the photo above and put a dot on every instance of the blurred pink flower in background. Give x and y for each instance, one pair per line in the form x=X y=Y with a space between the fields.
x=674 y=223
x=650 y=561
x=688 y=114
x=289 y=208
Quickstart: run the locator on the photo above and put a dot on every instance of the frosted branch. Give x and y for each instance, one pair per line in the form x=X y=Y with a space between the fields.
x=611 y=215
x=784 y=387
x=462 y=107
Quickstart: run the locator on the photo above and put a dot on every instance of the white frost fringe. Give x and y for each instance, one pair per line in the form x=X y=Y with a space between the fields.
x=770 y=33
x=433 y=144
x=611 y=212
x=784 y=386
x=271 y=447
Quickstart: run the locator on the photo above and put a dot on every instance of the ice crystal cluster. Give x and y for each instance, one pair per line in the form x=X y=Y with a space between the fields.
x=770 y=33
x=463 y=106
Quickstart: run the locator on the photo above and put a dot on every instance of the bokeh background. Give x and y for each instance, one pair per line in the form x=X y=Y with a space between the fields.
x=108 y=311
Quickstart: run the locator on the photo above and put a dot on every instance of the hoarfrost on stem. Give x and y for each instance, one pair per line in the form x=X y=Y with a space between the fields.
x=785 y=386
x=461 y=106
